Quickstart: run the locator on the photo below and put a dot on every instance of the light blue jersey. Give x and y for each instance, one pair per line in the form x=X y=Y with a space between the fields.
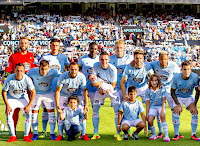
x=155 y=97
x=137 y=77
x=74 y=116
x=131 y=110
x=166 y=74
x=87 y=63
x=17 y=88
x=56 y=61
x=43 y=84
x=184 y=88
x=109 y=75
x=71 y=86
x=120 y=64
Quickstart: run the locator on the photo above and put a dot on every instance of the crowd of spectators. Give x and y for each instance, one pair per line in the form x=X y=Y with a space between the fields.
x=161 y=30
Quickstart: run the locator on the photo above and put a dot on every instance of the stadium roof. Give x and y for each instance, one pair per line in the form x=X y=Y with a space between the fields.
x=132 y=1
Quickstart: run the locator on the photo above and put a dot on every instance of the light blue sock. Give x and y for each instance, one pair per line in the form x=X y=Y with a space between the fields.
x=60 y=126
x=165 y=129
x=116 y=110
x=95 y=118
x=159 y=124
x=176 y=122
x=28 y=118
x=52 y=122
x=35 y=123
x=10 y=123
x=44 y=121
x=83 y=125
x=194 y=124
x=153 y=130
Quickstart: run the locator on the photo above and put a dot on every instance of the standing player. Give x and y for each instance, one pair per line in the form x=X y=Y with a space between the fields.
x=182 y=88
x=86 y=62
x=166 y=70
x=42 y=79
x=136 y=74
x=120 y=60
x=15 y=95
x=57 y=61
x=22 y=56
x=71 y=82
x=108 y=73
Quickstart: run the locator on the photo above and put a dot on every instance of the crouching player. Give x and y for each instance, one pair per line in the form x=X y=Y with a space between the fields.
x=182 y=88
x=42 y=79
x=72 y=113
x=155 y=105
x=15 y=95
x=129 y=115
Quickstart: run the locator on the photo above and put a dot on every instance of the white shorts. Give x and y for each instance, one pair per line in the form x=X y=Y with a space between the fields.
x=131 y=123
x=185 y=101
x=47 y=99
x=91 y=96
x=63 y=101
x=99 y=99
x=18 y=103
x=169 y=98
x=155 y=111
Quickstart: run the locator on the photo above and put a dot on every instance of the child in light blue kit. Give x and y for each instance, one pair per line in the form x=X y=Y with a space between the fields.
x=155 y=104
x=72 y=115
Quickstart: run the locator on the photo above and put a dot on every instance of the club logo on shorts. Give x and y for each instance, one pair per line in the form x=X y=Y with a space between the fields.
x=72 y=89
x=185 y=90
x=96 y=101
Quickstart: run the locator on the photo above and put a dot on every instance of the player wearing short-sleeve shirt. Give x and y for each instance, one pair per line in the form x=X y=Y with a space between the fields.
x=129 y=115
x=42 y=78
x=71 y=82
x=86 y=63
x=108 y=73
x=15 y=95
x=58 y=62
x=166 y=70
x=136 y=74
x=120 y=60
x=182 y=88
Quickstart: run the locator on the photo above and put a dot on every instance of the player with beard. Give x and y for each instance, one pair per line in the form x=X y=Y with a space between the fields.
x=22 y=56
x=71 y=82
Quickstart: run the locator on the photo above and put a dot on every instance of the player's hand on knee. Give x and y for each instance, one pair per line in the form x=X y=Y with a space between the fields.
x=118 y=128
x=27 y=109
x=178 y=109
x=8 y=110
x=193 y=110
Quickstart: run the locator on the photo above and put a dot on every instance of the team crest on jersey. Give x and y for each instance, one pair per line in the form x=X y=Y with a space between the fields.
x=124 y=62
x=136 y=107
x=169 y=72
x=108 y=76
x=144 y=73
x=60 y=59
x=66 y=85
x=162 y=77
x=78 y=82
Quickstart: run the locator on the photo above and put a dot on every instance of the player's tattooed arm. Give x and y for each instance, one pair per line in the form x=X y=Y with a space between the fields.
x=174 y=96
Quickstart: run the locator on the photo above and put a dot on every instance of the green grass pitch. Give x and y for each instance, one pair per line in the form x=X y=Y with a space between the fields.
x=106 y=130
